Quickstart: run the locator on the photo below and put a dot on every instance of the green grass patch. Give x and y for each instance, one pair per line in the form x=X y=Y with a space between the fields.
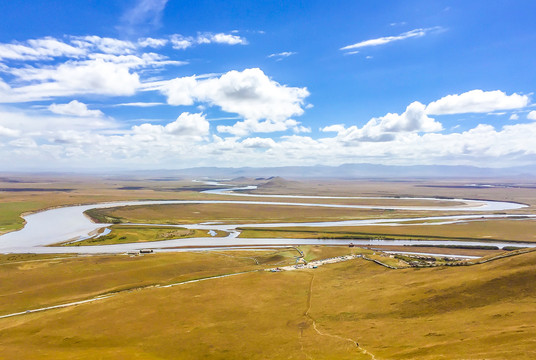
x=122 y=234
x=10 y=214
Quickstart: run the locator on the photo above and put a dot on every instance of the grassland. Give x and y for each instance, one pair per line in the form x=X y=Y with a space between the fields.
x=31 y=280
x=231 y=213
x=122 y=234
x=483 y=311
x=495 y=229
x=22 y=194
x=478 y=312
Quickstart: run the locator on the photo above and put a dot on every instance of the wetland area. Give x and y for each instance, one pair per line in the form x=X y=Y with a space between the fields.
x=321 y=269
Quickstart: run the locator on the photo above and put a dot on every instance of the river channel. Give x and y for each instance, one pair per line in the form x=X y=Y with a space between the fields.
x=70 y=223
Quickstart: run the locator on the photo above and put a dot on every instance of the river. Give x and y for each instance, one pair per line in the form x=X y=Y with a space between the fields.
x=70 y=223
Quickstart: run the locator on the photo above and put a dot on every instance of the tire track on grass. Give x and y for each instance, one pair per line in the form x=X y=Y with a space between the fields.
x=115 y=293
x=322 y=333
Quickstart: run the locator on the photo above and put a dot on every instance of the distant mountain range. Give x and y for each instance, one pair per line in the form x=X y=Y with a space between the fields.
x=350 y=171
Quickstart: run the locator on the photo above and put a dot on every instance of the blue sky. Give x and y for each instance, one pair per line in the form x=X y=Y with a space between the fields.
x=138 y=84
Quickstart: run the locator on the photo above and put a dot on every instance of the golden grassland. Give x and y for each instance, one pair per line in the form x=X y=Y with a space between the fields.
x=523 y=230
x=37 y=192
x=437 y=250
x=22 y=194
x=32 y=281
x=483 y=311
x=473 y=312
x=235 y=213
x=123 y=234
x=451 y=188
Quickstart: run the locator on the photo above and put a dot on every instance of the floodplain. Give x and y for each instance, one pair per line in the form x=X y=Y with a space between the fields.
x=237 y=302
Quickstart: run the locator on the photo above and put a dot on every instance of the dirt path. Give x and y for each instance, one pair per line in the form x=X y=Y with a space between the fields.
x=112 y=294
x=323 y=333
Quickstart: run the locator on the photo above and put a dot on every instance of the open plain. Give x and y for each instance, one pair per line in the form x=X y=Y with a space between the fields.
x=239 y=302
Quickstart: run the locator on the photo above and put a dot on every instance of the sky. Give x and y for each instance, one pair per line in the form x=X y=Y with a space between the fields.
x=170 y=84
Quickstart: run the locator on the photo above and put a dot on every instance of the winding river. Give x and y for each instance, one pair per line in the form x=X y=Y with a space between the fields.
x=70 y=223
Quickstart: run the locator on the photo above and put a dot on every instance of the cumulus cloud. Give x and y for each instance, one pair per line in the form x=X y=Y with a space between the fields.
x=220 y=38
x=74 y=108
x=187 y=124
x=243 y=128
x=249 y=93
x=258 y=143
x=180 y=42
x=413 y=119
x=183 y=143
x=477 y=101
x=388 y=39
x=514 y=117
x=338 y=128
x=416 y=117
x=385 y=128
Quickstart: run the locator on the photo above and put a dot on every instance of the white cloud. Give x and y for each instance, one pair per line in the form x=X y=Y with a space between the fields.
x=282 y=55
x=4 y=131
x=477 y=101
x=413 y=119
x=249 y=93
x=4 y=86
x=39 y=49
x=248 y=126
x=68 y=79
x=221 y=38
x=184 y=144
x=301 y=129
x=74 y=108
x=140 y=104
x=180 y=42
x=151 y=42
x=385 y=128
x=146 y=14
x=514 y=117
x=388 y=39
x=186 y=125
x=24 y=142
x=258 y=142
x=338 y=128
x=43 y=123
x=180 y=91
x=104 y=44
x=531 y=115
x=138 y=61
x=416 y=120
